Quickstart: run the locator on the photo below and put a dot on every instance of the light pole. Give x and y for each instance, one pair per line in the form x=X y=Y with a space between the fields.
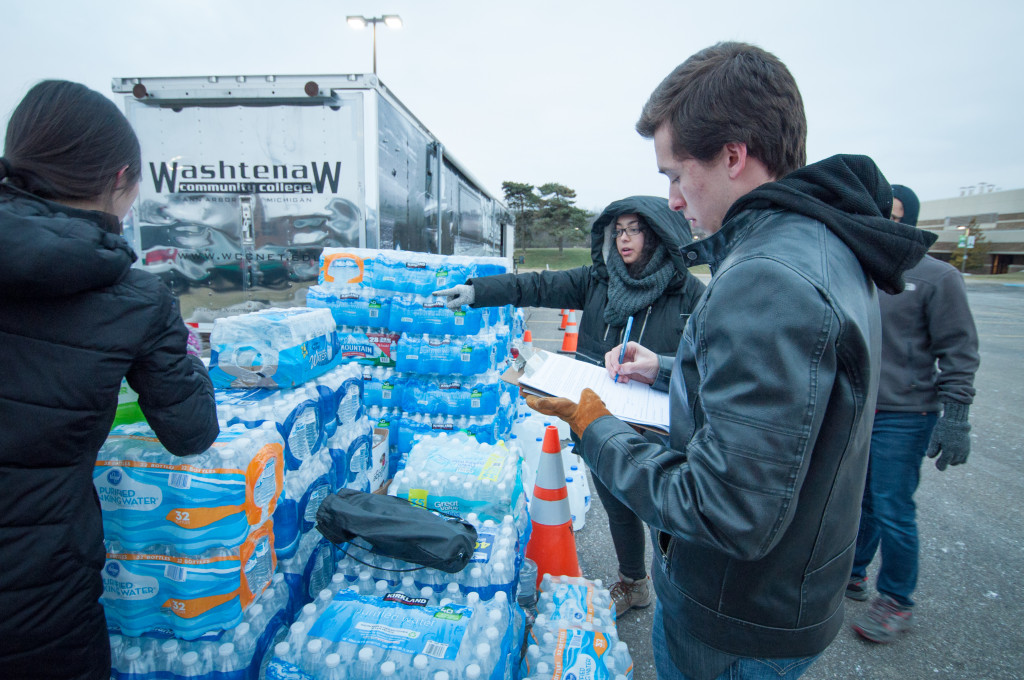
x=359 y=23
x=966 y=238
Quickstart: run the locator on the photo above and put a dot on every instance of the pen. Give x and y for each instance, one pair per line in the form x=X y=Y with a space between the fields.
x=625 y=341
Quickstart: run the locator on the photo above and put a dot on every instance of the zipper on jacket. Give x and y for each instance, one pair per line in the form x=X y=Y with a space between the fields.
x=644 y=326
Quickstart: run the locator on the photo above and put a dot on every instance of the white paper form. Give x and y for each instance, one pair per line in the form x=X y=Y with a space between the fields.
x=632 y=402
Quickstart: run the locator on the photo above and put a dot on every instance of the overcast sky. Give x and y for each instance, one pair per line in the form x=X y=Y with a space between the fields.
x=538 y=91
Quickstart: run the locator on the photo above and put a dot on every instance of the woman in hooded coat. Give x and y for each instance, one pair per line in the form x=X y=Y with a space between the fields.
x=636 y=272
x=75 y=318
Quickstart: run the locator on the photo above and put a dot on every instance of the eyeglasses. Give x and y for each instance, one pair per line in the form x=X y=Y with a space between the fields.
x=632 y=231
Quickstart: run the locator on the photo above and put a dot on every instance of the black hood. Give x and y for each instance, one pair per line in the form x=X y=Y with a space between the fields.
x=671 y=227
x=49 y=250
x=852 y=198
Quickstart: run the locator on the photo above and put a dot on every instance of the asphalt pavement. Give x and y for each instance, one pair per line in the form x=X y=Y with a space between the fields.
x=970 y=604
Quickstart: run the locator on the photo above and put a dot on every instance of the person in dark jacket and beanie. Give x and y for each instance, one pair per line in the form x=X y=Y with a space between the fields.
x=637 y=272
x=929 y=358
x=755 y=500
x=75 y=318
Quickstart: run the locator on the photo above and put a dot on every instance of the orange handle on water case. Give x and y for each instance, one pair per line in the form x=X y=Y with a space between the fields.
x=342 y=256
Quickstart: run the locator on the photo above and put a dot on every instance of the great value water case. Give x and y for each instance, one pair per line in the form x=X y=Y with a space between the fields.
x=457 y=475
x=157 y=588
x=194 y=503
x=272 y=348
x=233 y=654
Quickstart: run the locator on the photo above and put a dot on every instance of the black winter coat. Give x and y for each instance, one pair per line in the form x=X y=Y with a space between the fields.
x=657 y=327
x=75 y=319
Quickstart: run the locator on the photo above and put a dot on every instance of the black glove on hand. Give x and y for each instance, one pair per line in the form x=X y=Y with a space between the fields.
x=951 y=436
x=459 y=295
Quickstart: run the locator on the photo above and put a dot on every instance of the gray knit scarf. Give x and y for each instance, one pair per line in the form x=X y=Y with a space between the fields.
x=628 y=295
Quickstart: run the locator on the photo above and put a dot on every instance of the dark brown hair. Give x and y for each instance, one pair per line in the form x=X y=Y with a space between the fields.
x=731 y=92
x=67 y=142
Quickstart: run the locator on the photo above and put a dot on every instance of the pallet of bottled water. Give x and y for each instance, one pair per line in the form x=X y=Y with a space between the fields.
x=189 y=594
x=237 y=653
x=402 y=271
x=458 y=475
x=305 y=415
x=399 y=636
x=189 y=503
x=272 y=348
x=574 y=634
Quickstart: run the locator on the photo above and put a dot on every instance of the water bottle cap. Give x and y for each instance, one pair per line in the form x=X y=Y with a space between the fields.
x=192 y=658
x=169 y=646
x=227 y=649
x=365 y=654
x=420 y=662
x=387 y=668
x=315 y=645
x=298 y=628
x=132 y=653
x=332 y=660
x=239 y=630
x=441 y=675
x=472 y=671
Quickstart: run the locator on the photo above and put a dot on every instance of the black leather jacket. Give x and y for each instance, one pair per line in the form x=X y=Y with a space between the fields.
x=756 y=500
x=758 y=495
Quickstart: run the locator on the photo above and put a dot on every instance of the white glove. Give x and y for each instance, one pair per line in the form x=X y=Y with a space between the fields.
x=457 y=296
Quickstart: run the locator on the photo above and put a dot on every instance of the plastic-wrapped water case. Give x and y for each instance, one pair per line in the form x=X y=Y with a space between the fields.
x=400 y=636
x=457 y=475
x=368 y=346
x=383 y=387
x=305 y=416
x=158 y=588
x=304 y=490
x=361 y=456
x=232 y=654
x=309 y=570
x=272 y=348
x=452 y=355
x=574 y=634
x=353 y=305
x=192 y=503
x=418 y=314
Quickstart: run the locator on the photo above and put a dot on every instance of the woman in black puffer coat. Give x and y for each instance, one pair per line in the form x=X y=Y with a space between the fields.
x=75 y=319
x=637 y=272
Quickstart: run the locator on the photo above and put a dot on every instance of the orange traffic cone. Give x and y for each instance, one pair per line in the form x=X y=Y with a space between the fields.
x=552 y=545
x=571 y=335
x=565 y=319
x=527 y=339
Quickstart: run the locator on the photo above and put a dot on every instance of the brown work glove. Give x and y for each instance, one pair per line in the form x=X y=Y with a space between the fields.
x=579 y=416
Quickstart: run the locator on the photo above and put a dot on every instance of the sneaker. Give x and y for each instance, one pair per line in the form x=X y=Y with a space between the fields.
x=628 y=594
x=884 y=621
x=857 y=588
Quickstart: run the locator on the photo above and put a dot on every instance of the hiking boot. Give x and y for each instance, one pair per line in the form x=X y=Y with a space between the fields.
x=884 y=621
x=857 y=588
x=629 y=593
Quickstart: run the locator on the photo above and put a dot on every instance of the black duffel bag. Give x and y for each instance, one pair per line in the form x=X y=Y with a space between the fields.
x=396 y=528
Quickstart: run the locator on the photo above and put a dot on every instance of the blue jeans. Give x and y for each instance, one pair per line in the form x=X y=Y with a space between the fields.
x=745 y=668
x=888 y=514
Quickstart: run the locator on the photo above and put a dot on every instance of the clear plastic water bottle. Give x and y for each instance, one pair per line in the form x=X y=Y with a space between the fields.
x=333 y=670
x=191 y=665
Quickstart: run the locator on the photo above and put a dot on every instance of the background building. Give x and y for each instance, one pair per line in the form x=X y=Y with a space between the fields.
x=995 y=220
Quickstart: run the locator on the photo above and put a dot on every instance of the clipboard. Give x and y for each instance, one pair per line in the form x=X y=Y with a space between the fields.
x=550 y=375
